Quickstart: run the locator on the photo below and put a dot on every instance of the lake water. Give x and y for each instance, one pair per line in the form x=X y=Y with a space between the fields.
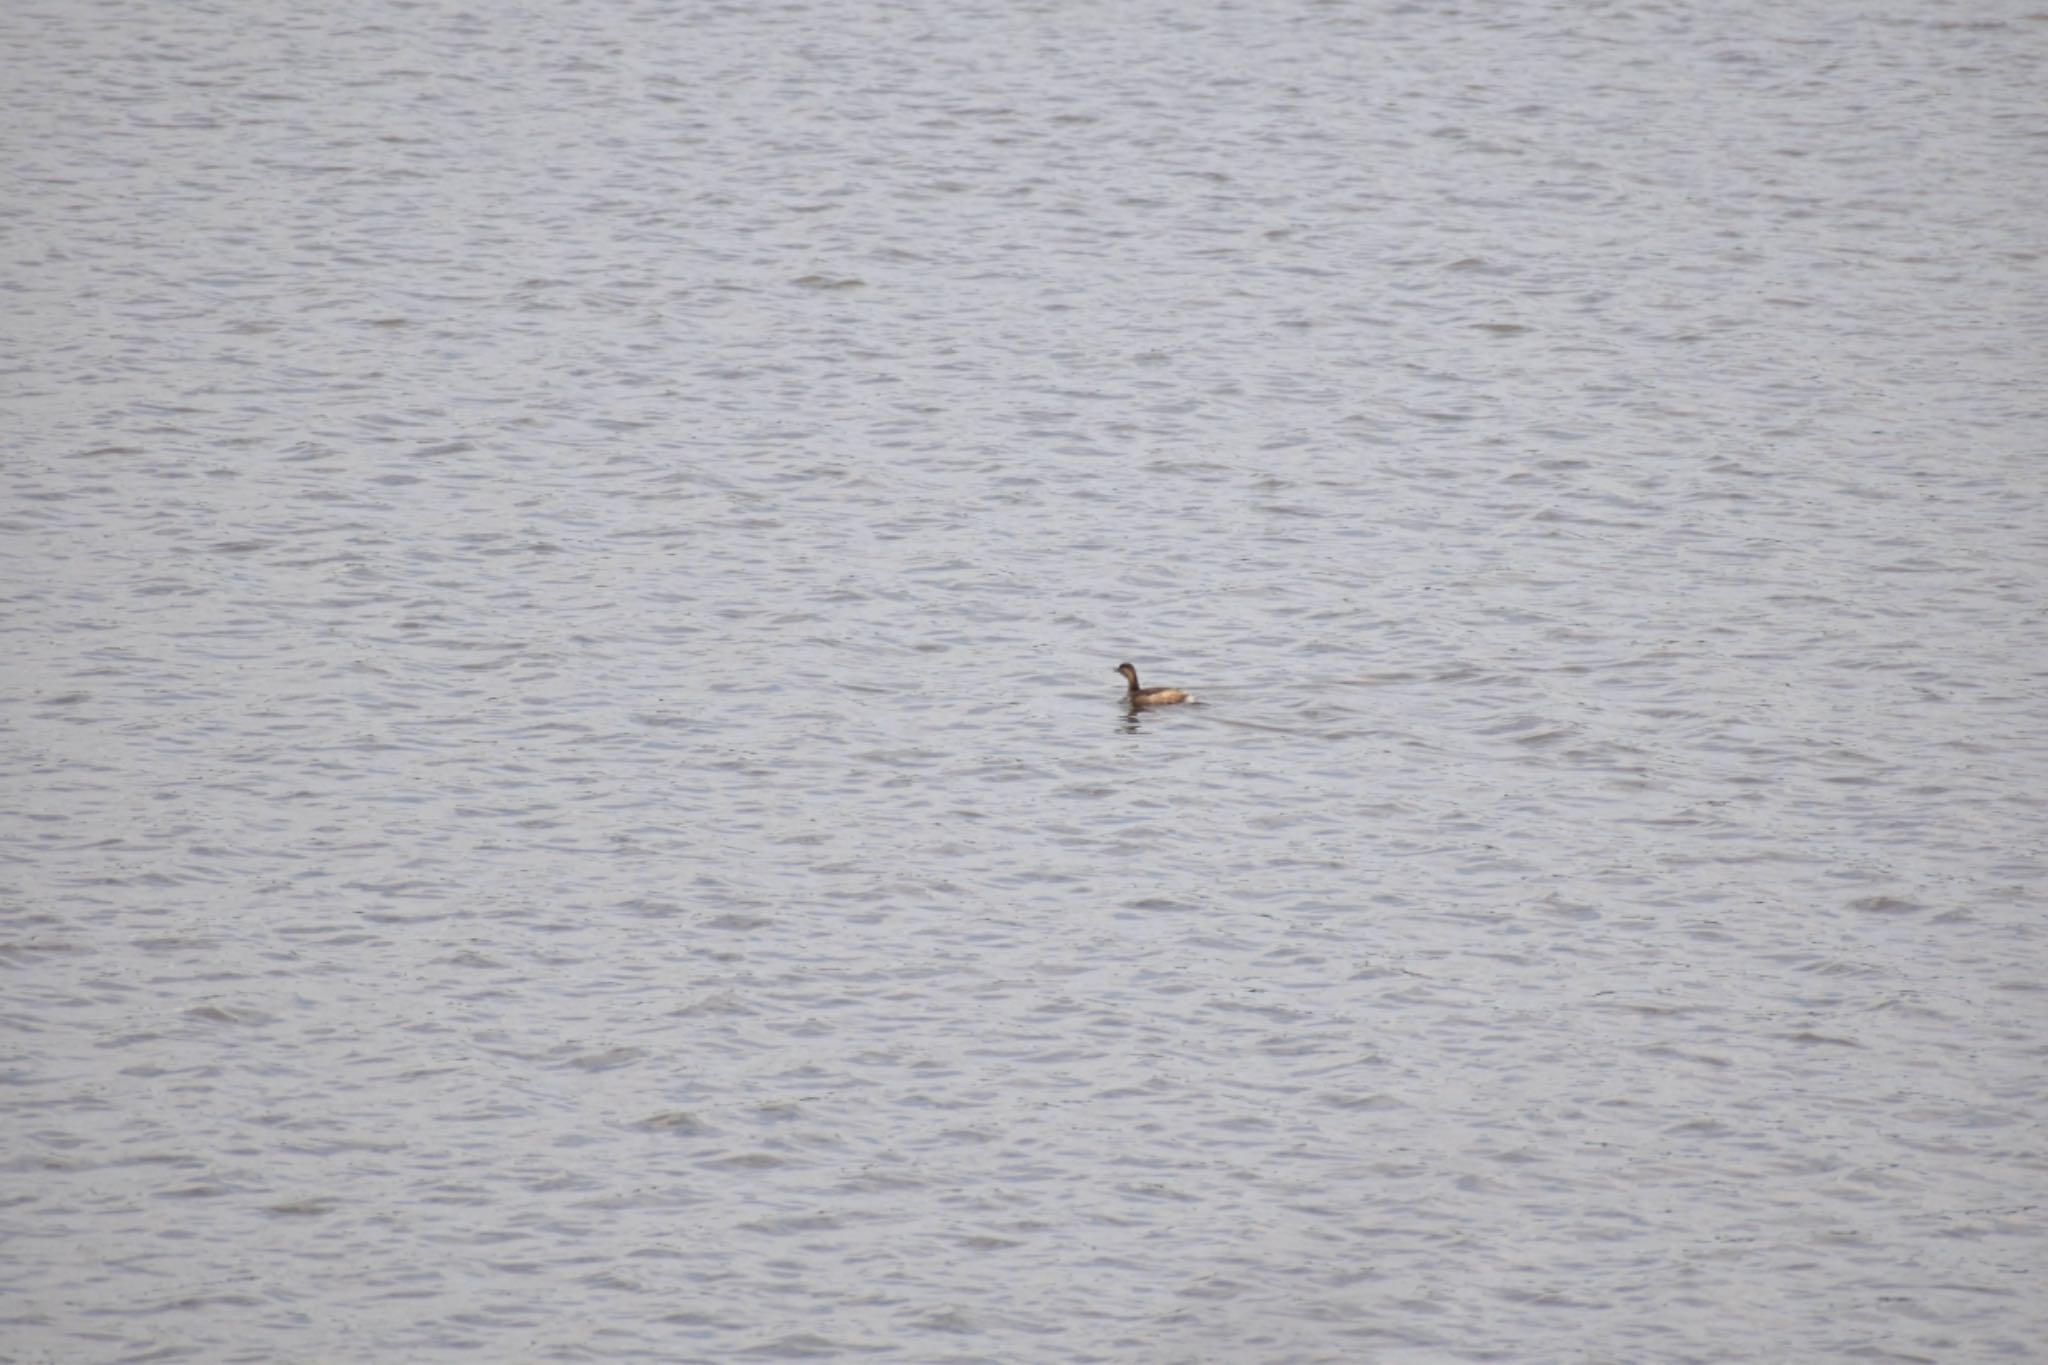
x=564 y=795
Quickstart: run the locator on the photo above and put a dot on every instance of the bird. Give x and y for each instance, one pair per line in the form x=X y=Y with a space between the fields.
x=1150 y=696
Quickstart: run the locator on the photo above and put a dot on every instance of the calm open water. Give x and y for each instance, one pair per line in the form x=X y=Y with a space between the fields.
x=563 y=798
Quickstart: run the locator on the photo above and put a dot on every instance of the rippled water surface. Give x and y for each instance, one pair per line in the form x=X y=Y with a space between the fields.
x=564 y=796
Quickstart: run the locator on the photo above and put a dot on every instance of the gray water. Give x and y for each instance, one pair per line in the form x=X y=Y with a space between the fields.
x=565 y=798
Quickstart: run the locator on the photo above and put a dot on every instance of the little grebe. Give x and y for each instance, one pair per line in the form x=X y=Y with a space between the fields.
x=1150 y=696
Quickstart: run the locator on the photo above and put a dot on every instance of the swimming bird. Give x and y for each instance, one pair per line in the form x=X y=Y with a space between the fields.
x=1150 y=696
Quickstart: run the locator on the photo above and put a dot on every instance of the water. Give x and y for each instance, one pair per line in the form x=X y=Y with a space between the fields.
x=565 y=797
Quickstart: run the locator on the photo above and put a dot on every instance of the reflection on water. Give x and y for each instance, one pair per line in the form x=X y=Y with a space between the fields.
x=562 y=572
x=1135 y=714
